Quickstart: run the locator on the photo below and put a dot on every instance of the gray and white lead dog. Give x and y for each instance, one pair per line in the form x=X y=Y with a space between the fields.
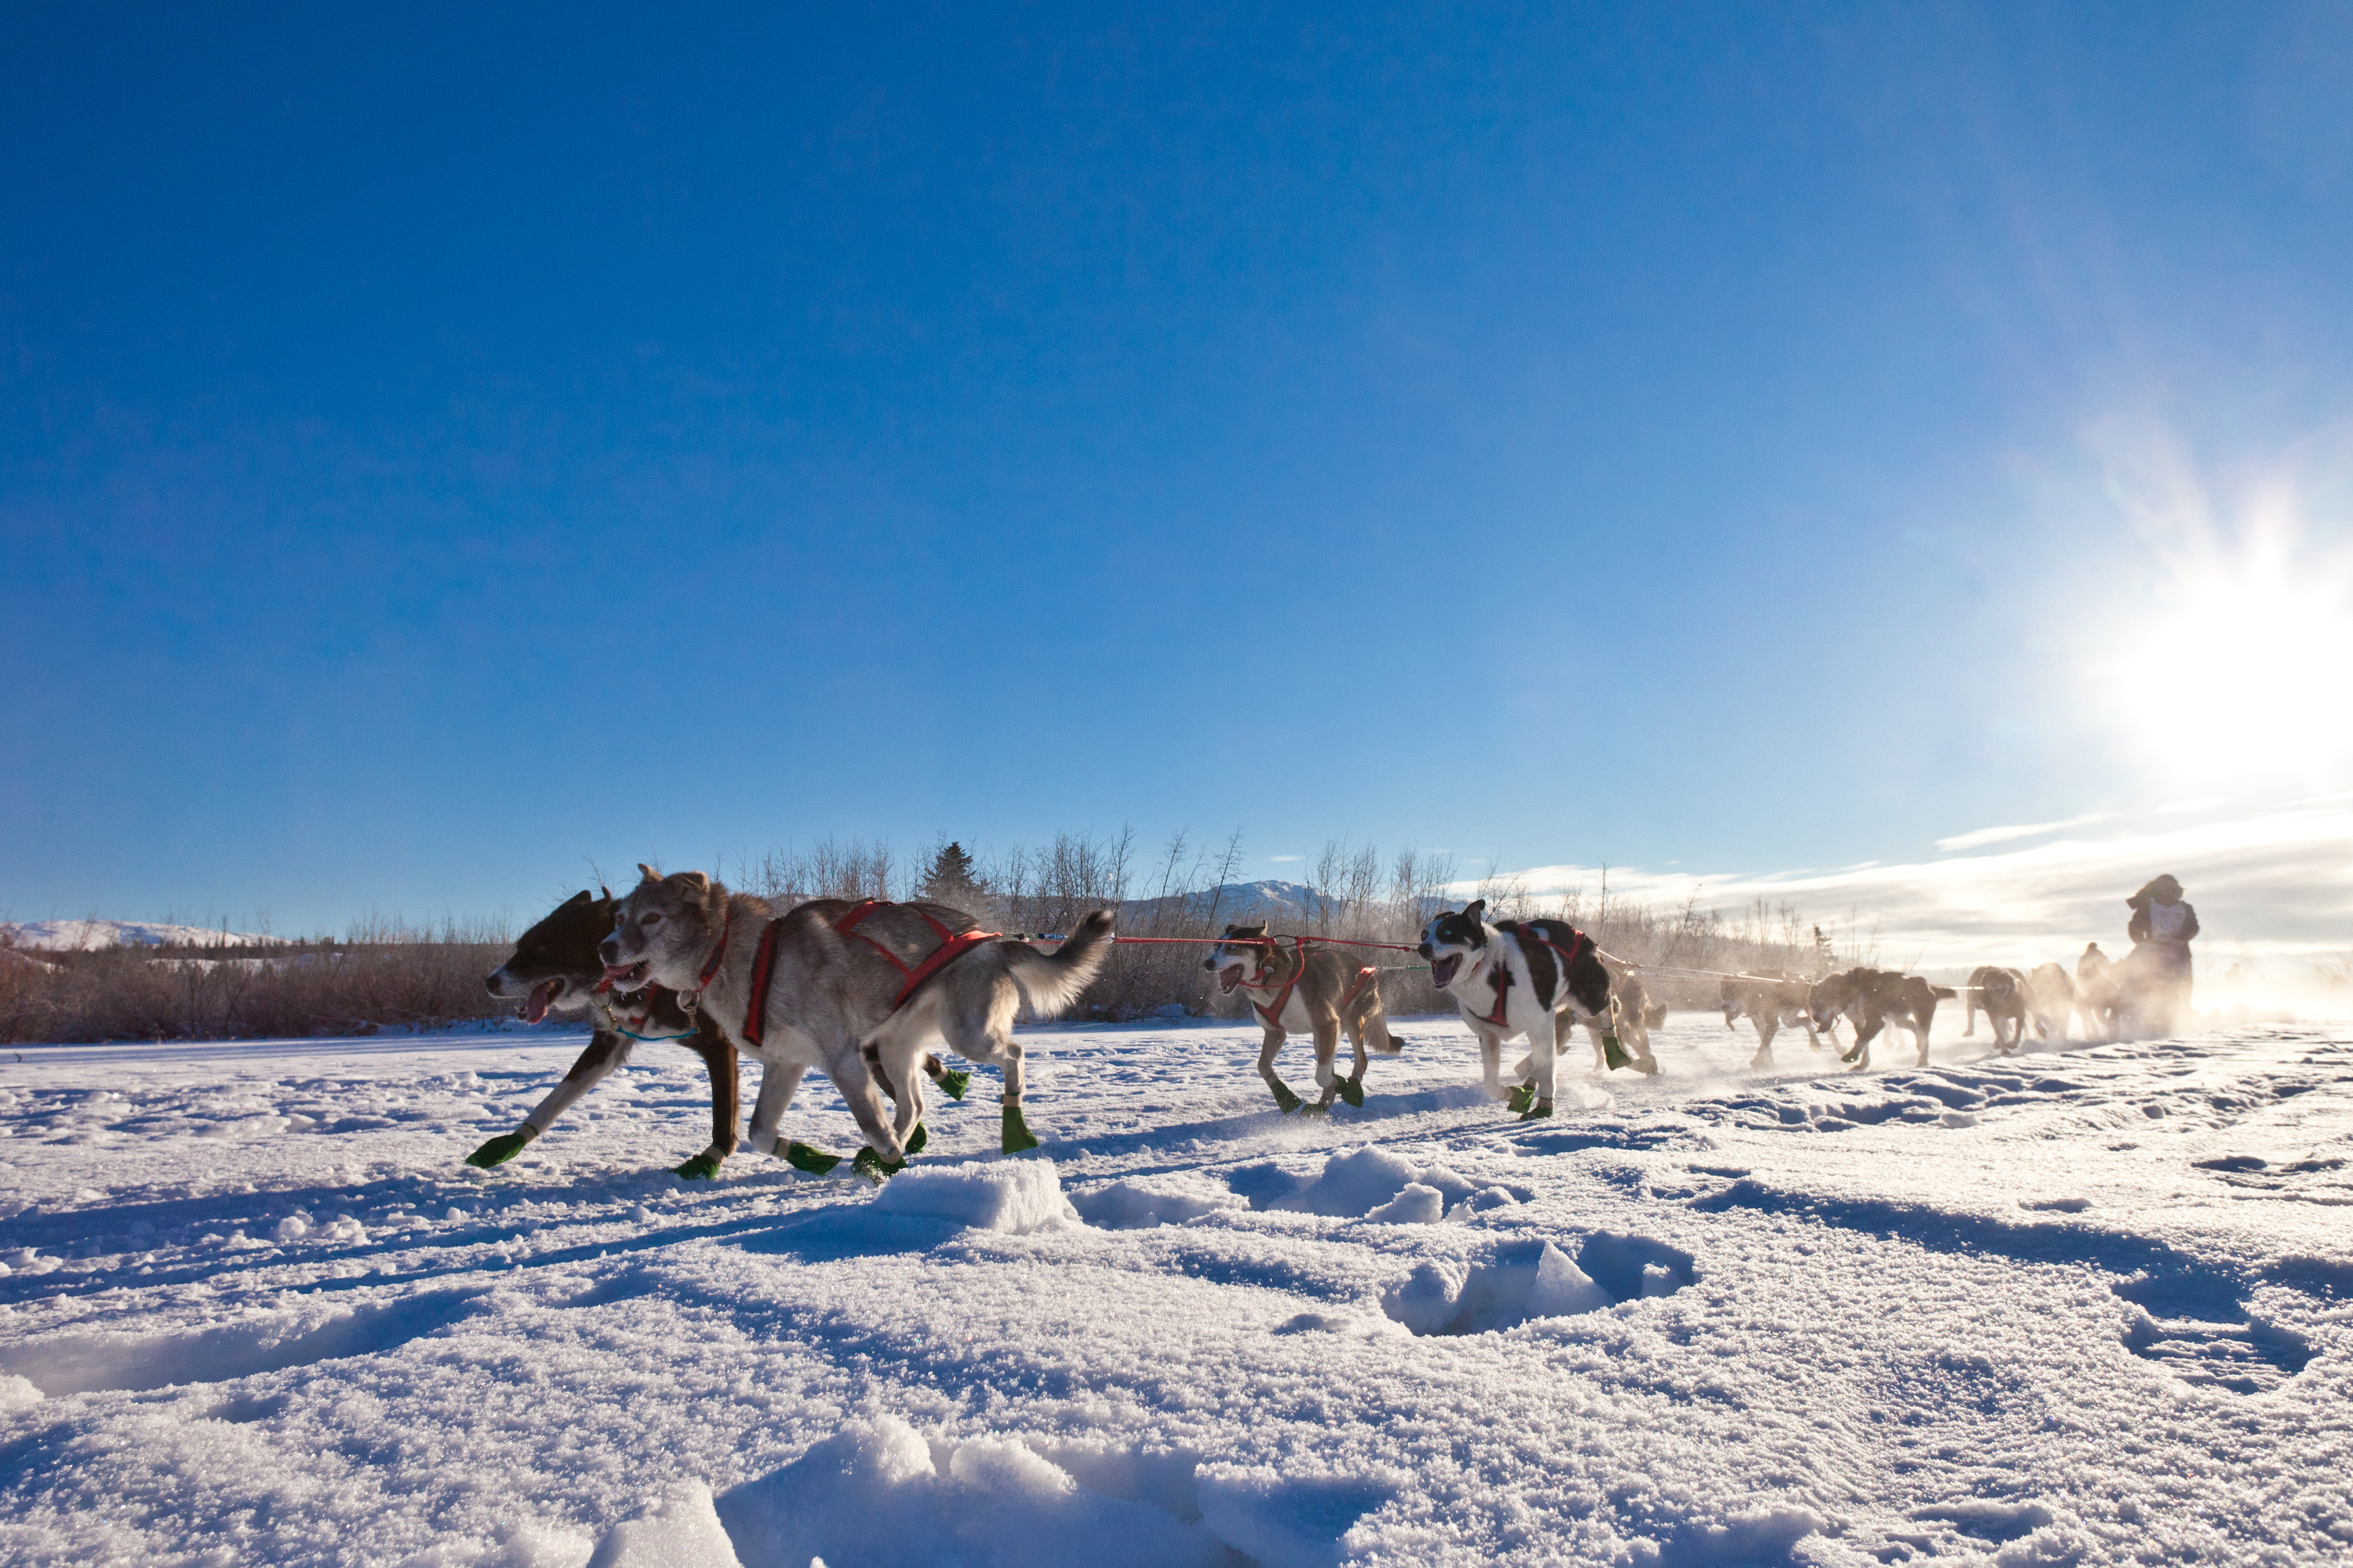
x=1510 y=978
x=831 y=994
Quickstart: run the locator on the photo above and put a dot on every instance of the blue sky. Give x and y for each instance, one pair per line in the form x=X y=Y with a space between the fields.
x=446 y=447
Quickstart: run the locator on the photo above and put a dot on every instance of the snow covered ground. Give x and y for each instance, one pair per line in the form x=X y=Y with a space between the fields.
x=2091 y=1305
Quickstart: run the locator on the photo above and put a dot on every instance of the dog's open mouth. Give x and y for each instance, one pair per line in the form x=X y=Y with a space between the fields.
x=542 y=996
x=1227 y=978
x=1441 y=970
x=628 y=976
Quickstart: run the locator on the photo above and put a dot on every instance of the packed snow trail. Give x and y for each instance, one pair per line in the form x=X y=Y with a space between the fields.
x=2090 y=1305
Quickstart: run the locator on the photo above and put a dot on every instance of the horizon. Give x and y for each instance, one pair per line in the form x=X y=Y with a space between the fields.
x=1900 y=464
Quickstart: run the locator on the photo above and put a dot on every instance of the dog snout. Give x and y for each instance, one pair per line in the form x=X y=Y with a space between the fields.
x=490 y=982
x=609 y=950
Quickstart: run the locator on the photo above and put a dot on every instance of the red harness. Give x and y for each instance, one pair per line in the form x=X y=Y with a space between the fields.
x=1362 y=974
x=953 y=946
x=1273 y=1015
x=1577 y=943
x=1500 y=978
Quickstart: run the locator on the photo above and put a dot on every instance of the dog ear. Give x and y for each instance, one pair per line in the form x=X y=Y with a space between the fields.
x=647 y=873
x=694 y=883
x=604 y=889
x=1477 y=910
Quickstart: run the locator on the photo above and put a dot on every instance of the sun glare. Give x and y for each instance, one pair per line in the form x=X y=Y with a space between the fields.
x=2235 y=665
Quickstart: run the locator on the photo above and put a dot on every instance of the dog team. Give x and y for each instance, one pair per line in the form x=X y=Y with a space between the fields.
x=864 y=991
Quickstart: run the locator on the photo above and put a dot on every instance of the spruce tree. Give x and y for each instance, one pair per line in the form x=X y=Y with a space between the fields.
x=951 y=877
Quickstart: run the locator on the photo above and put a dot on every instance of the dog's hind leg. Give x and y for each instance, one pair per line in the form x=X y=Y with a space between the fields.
x=606 y=1051
x=1284 y=1100
x=1327 y=1078
x=1767 y=1025
x=1352 y=1089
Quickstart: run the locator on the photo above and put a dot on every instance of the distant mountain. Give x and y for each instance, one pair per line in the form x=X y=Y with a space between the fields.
x=1238 y=901
x=82 y=936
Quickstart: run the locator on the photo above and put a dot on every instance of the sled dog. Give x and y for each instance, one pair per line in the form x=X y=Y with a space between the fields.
x=1309 y=990
x=1636 y=1014
x=2001 y=994
x=1873 y=999
x=1773 y=1000
x=2050 y=998
x=838 y=1000
x=555 y=969
x=1523 y=977
x=2099 y=995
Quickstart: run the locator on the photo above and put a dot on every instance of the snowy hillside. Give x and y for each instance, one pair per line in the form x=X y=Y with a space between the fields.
x=2079 y=1306
x=80 y=936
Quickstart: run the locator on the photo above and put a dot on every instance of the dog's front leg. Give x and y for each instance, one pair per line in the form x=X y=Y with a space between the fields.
x=1284 y=1100
x=1864 y=1035
x=718 y=1056
x=1351 y=1089
x=778 y=1082
x=1543 y=1057
x=606 y=1051
x=1767 y=1025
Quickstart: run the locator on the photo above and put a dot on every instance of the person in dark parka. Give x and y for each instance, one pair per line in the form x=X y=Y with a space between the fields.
x=2162 y=927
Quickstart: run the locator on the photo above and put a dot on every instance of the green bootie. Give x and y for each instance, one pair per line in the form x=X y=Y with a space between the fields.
x=918 y=1138
x=1536 y=1113
x=1351 y=1089
x=1016 y=1137
x=1284 y=1100
x=874 y=1168
x=1614 y=1053
x=1520 y=1097
x=502 y=1149
x=701 y=1168
x=953 y=1082
x=815 y=1161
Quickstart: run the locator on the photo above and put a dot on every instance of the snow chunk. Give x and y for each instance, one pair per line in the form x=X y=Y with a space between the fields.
x=18 y=1394
x=1015 y=1196
x=1417 y=1204
x=1136 y=1205
x=682 y=1532
x=1562 y=1289
x=875 y=1494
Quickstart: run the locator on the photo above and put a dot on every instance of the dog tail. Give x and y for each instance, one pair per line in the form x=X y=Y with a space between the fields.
x=1054 y=983
x=1943 y=993
x=1654 y=1014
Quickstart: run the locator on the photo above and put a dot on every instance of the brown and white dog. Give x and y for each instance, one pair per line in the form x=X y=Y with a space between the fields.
x=1636 y=1014
x=1531 y=977
x=1773 y=1000
x=2001 y=994
x=2099 y=995
x=2050 y=998
x=1875 y=999
x=833 y=998
x=555 y=969
x=1301 y=989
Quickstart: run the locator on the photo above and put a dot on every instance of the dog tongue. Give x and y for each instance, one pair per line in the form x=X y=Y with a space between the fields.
x=1228 y=978
x=535 y=1008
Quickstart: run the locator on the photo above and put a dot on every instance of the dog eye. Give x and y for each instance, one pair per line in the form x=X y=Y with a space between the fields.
x=652 y=918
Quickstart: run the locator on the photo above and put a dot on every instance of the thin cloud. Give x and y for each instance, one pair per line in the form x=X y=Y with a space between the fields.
x=2276 y=885
x=2024 y=830
x=1286 y=857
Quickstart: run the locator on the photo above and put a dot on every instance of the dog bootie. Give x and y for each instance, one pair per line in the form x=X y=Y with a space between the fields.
x=953 y=1082
x=701 y=1168
x=1540 y=1112
x=1614 y=1053
x=874 y=1168
x=1016 y=1138
x=1520 y=1097
x=918 y=1138
x=502 y=1149
x=1351 y=1089
x=1316 y=1108
x=815 y=1161
x=1284 y=1100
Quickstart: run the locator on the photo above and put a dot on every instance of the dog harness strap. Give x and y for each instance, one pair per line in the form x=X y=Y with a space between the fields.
x=1500 y=977
x=718 y=956
x=1577 y=943
x=755 y=1015
x=1362 y=974
x=947 y=953
x=1282 y=997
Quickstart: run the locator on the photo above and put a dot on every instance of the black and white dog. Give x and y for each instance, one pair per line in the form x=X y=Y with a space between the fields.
x=1524 y=977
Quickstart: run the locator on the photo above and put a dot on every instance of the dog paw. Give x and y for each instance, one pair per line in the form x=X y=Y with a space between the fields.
x=499 y=1150
x=701 y=1168
x=1320 y=1108
x=876 y=1169
x=1286 y=1101
x=918 y=1138
x=815 y=1161
x=1520 y=1098
x=1540 y=1112
x=1351 y=1089
x=1015 y=1137
x=953 y=1082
